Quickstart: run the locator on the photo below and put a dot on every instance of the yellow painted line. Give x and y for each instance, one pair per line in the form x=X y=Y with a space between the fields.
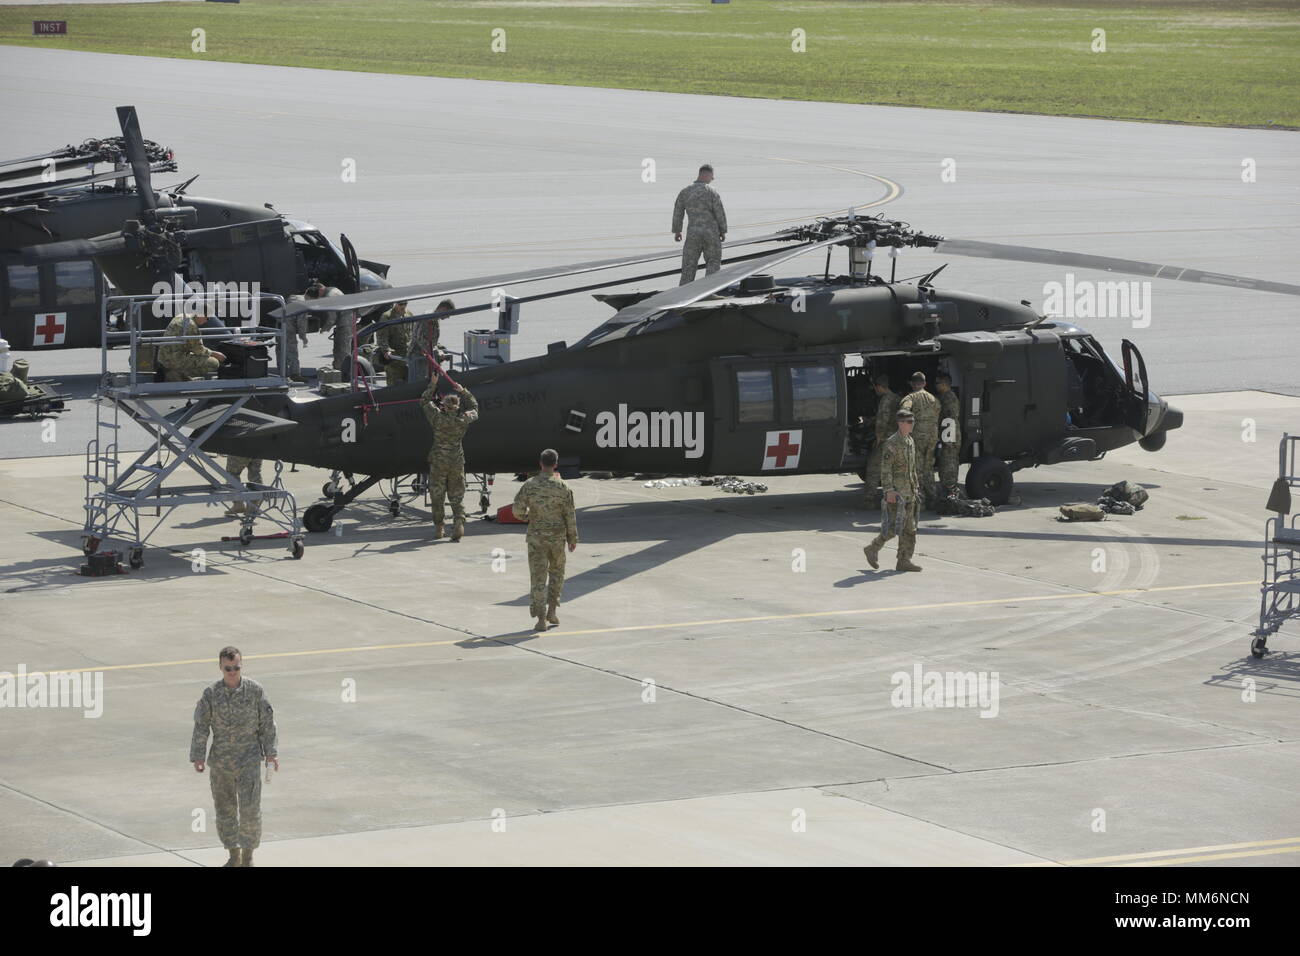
x=1217 y=856
x=1076 y=595
x=1187 y=849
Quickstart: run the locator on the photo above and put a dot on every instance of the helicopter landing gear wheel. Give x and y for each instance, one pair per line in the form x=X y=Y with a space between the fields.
x=1259 y=647
x=328 y=489
x=1154 y=442
x=394 y=507
x=136 y=558
x=989 y=478
x=297 y=548
x=318 y=518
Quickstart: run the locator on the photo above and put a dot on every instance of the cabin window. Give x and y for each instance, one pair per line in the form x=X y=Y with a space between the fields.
x=812 y=392
x=74 y=283
x=755 y=397
x=24 y=287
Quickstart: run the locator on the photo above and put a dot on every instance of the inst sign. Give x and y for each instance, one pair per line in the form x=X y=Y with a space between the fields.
x=48 y=28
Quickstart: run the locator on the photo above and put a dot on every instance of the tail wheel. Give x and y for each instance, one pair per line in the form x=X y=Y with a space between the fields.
x=990 y=478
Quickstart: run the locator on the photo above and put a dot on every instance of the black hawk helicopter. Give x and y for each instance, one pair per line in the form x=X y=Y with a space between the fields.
x=741 y=373
x=60 y=238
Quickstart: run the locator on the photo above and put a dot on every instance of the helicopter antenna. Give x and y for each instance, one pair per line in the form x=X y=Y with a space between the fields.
x=180 y=190
x=929 y=276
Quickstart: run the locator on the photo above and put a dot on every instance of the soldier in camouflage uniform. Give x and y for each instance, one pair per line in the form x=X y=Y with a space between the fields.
x=425 y=338
x=295 y=336
x=239 y=717
x=188 y=360
x=886 y=409
x=708 y=225
x=925 y=407
x=949 y=433
x=345 y=330
x=236 y=465
x=446 y=454
x=393 y=344
x=898 y=478
x=546 y=503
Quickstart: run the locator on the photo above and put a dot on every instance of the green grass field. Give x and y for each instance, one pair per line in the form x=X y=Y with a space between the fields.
x=1193 y=61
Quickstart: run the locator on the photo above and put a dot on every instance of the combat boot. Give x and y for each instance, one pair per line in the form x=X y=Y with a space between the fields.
x=551 y=617
x=905 y=564
x=541 y=624
x=235 y=509
x=873 y=556
x=248 y=857
x=437 y=531
x=234 y=857
x=458 y=529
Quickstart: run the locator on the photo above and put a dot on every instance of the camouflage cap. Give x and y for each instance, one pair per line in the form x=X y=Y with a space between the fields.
x=904 y=416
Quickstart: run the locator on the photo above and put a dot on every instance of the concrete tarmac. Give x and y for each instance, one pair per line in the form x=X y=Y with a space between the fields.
x=724 y=687
x=704 y=700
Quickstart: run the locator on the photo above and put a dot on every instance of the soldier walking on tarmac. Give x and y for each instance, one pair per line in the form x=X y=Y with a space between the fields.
x=546 y=503
x=898 y=479
x=237 y=714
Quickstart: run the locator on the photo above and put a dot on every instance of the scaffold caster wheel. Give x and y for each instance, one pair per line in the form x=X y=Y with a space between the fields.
x=394 y=507
x=483 y=502
x=1258 y=647
x=298 y=548
x=318 y=518
x=136 y=558
x=89 y=544
x=245 y=537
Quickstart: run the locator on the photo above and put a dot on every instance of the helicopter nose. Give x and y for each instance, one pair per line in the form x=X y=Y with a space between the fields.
x=1173 y=418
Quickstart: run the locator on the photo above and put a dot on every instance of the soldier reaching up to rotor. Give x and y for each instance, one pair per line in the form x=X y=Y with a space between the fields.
x=447 y=455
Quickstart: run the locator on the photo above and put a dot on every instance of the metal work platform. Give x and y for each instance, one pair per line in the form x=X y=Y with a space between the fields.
x=130 y=500
x=1280 y=592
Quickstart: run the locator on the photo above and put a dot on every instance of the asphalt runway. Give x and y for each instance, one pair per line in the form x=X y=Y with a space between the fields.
x=704 y=700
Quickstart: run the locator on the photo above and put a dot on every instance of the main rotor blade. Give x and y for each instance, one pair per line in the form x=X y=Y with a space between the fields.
x=59 y=153
x=11 y=192
x=367 y=300
x=694 y=291
x=139 y=159
x=995 y=250
x=64 y=251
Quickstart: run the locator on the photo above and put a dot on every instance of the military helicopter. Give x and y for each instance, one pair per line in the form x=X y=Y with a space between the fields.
x=743 y=373
x=60 y=238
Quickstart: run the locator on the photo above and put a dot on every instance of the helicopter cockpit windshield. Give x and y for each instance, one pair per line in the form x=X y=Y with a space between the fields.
x=320 y=258
x=1096 y=395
